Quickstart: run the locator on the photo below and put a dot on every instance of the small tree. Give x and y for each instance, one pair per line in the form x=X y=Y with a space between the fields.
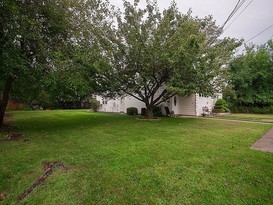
x=153 y=56
x=94 y=105
x=221 y=106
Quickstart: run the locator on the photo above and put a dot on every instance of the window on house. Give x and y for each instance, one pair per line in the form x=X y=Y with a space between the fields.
x=104 y=101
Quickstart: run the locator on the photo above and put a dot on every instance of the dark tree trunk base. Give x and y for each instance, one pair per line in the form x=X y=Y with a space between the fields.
x=149 y=113
x=5 y=99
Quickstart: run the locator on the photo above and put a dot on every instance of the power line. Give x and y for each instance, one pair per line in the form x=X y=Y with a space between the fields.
x=259 y=33
x=236 y=8
x=269 y=39
x=239 y=15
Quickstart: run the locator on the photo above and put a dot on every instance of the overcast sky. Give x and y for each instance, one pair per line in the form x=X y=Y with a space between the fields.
x=257 y=16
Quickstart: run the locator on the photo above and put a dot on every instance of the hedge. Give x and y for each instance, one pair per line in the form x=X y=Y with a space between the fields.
x=132 y=111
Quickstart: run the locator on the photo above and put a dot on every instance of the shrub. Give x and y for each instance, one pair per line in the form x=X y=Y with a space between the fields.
x=226 y=109
x=221 y=110
x=157 y=112
x=94 y=105
x=252 y=109
x=143 y=111
x=132 y=111
x=220 y=106
x=221 y=103
x=271 y=109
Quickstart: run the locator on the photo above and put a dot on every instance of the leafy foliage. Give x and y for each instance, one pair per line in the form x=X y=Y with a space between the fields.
x=251 y=77
x=157 y=112
x=42 y=43
x=221 y=103
x=94 y=105
x=220 y=106
x=153 y=55
x=132 y=111
x=251 y=109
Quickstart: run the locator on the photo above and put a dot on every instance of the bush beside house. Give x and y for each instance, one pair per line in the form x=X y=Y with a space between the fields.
x=132 y=111
x=157 y=112
x=94 y=105
x=221 y=107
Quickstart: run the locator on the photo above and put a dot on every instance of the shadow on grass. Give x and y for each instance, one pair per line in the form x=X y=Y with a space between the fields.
x=57 y=120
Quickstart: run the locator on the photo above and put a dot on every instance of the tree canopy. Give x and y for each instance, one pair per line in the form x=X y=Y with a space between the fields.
x=251 y=77
x=46 y=40
x=153 y=55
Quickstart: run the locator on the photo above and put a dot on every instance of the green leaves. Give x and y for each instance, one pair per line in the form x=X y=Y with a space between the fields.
x=251 y=76
x=166 y=53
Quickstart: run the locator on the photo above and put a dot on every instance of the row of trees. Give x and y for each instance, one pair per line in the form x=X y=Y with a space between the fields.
x=64 y=49
x=251 y=77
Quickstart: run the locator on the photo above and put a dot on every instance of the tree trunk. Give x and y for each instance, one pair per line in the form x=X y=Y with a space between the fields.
x=5 y=98
x=149 y=113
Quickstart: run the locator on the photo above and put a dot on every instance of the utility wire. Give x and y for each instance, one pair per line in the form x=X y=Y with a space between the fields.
x=259 y=33
x=238 y=15
x=230 y=15
x=236 y=8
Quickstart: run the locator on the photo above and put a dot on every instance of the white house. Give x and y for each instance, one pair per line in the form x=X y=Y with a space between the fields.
x=192 y=105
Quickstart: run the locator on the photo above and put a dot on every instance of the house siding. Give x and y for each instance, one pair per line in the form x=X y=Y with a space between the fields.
x=185 y=105
x=208 y=102
x=191 y=105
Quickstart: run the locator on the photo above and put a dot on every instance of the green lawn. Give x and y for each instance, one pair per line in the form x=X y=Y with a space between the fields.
x=115 y=159
x=268 y=118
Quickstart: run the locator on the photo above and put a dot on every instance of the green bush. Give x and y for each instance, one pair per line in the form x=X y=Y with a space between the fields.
x=220 y=106
x=143 y=111
x=157 y=112
x=221 y=110
x=221 y=103
x=132 y=111
x=226 y=109
x=94 y=105
x=252 y=109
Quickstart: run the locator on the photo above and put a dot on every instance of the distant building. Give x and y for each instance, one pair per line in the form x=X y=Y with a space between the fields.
x=193 y=105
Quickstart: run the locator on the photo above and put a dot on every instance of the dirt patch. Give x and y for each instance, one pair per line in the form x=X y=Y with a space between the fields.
x=267 y=120
x=14 y=136
x=49 y=167
x=2 y=195
x=144 y=119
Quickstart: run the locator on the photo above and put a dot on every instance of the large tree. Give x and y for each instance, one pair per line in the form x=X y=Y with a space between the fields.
x=252 y=77
x=39 y=38
x=153 y=55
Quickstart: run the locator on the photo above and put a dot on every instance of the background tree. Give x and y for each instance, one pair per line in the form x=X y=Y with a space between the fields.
x=153 y=56
x=252 y=77
x=39 y=37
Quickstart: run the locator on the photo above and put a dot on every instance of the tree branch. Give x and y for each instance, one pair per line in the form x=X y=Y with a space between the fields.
x=163 y=100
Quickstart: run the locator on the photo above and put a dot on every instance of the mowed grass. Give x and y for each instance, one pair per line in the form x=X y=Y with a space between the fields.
x=115 y=159
x=267 y=118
